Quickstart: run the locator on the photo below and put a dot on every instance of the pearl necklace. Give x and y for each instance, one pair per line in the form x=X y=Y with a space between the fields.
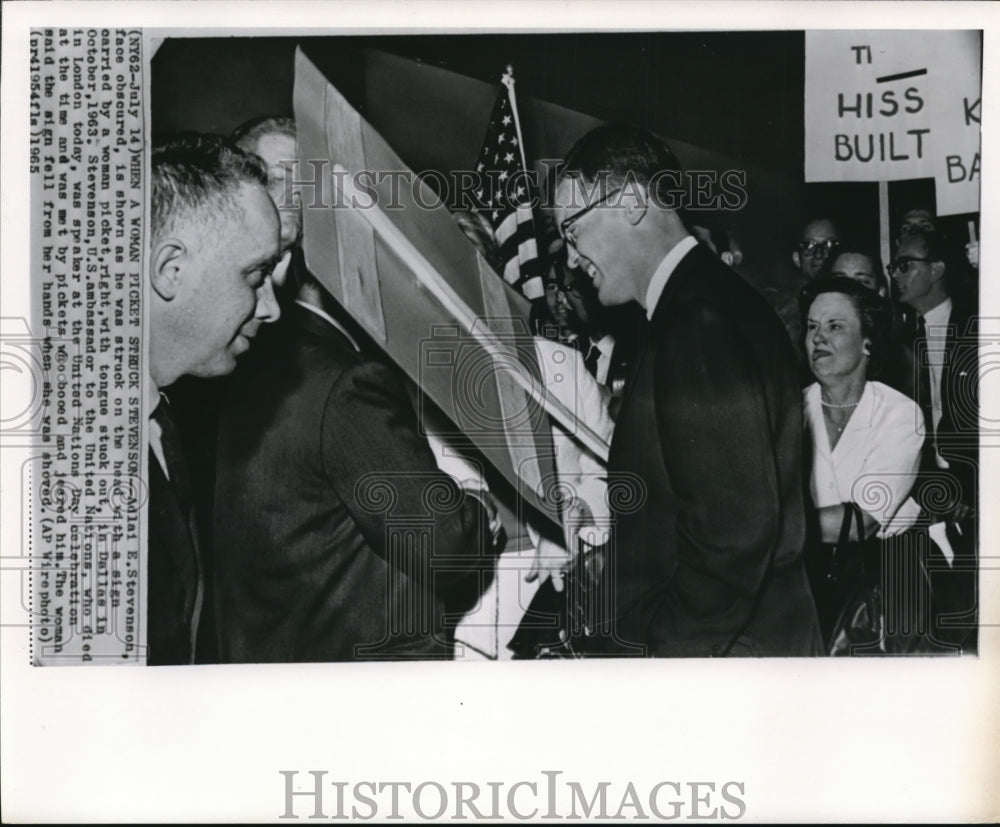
x=834 y=405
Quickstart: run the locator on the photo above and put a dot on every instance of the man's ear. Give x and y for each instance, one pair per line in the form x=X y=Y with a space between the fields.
x=166 y=265
x=635 y=200
x=797 y=259
x=937 y=270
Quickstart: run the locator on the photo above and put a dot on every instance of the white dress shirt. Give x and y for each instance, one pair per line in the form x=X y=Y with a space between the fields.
x=563 y=373
x=665 y=270
x=154 y=398
x=605 y=349
x=936 y=322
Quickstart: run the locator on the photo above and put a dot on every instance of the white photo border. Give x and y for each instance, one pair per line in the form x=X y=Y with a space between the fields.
x=811 y=740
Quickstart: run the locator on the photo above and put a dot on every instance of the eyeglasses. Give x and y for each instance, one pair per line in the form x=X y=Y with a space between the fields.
x=811 y=248
x=565 y=226
x=902 y=264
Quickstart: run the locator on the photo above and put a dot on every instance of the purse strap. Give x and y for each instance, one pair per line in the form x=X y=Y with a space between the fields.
x=859 y=522
x=851 y=510
x=844 y=543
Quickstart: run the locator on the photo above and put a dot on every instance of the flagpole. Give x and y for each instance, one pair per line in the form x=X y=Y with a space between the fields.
x=508 y=81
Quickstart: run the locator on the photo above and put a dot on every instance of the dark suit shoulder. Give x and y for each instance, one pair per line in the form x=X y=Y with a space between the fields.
x=964 y=319
x=363 y=382
x=703 y=288
x=702 y=278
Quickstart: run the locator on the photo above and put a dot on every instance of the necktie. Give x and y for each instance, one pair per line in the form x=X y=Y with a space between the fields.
x=593 y=356
x=173 y=454
x=180 y=483
x=921 y=355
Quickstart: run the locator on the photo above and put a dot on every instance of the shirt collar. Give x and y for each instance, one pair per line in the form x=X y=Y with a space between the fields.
x=939 y=315
x=664 y=271
x=606 y=344
x=329 y=320
x=151 y=392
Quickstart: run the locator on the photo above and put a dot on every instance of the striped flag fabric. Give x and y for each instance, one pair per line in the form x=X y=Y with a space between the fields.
x=505 y=194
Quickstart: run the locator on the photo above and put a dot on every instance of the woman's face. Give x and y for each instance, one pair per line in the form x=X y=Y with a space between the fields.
x=834 y=343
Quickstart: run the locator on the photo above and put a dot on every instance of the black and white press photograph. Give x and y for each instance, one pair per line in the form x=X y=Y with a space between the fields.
x=498 y=411
x=527 y=356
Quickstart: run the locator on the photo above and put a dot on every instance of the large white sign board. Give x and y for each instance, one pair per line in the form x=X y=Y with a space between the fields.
x=892 y=105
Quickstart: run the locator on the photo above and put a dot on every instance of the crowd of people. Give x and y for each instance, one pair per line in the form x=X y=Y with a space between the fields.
x=772 y=469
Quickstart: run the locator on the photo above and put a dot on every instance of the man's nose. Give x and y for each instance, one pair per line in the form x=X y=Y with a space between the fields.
x=267 y=309
x=572 y=259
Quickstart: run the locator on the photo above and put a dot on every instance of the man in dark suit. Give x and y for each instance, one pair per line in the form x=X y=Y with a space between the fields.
x=335 y=533
x=927 y=270
x=705 y=475
x=214 y=245
x=336 y=536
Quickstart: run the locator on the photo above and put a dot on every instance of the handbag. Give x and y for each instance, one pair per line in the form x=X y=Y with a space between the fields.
x=887 y=604
x=846 y=582
x=854 y=575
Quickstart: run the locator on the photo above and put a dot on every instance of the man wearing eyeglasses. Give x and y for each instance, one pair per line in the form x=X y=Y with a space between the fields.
x=819 y=238
x=946 y=356
x=706 y=557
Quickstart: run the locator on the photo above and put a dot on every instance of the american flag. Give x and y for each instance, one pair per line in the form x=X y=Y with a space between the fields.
x=504 y=194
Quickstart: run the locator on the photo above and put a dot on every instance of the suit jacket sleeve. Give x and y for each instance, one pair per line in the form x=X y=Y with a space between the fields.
x=380 y=465
x=720 y=456
x=958 y=431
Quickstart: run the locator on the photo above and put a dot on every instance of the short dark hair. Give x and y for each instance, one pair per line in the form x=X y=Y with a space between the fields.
x=247 y=134
x=623 y=153
x=939 y=247
x=192 y=172
x=852 y=249
x=815 y=219
x=873 y=310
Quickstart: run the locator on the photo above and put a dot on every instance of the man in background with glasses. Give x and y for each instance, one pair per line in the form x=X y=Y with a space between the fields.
x=928 y=272
x=708 y=520
x=819 y=239
x=818 y=243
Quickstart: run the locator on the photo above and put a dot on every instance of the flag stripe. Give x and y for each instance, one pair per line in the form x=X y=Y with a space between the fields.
x=534 y=288
x=506 y=197
x=512 y=271
x=507 y=228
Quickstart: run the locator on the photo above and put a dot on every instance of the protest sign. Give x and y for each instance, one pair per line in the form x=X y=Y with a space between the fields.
x=895 y=105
